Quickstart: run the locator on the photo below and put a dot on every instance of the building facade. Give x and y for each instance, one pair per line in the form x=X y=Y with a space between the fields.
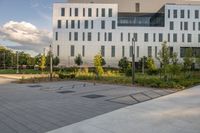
x=91 y=28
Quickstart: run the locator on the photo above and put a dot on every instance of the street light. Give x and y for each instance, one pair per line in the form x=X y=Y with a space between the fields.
x=133 y=60
x=17 y=62
x=51 y=68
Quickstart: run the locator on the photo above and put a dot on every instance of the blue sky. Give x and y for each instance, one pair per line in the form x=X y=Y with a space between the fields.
x=36 y=14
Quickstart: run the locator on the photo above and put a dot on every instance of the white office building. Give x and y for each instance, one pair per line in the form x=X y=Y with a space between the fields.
x=91 y=28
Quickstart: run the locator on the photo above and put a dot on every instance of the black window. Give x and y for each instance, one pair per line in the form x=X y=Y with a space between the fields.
x=59 y=24
x=112 y=51
x=103 y=12
x=129 y=37
x=175 y=13
x=86 y=24
x=135 y=35
x=83 y=36
x=181 y=25
x=72 y=24
x=83 y=50
x=146 y=37
x=149 y=51
x=198 y=37
x=89 y=12
x=169 y=37
x=92 y=24
x=109 y=12
x=199 y=26
x=154 y=37
x=76 y=12
x=102 y=51
x=174 y=37
x=97 y=12
x=58 y=50
x=168 y=13
x=113 y=25
x=137 y=7
x=70 y=36
x=98 y=36
x=171 y=25
x=194 y=25
x=121 y=37
x=188 y=13
x=89 y=36
x=83 y=12
x=62 y=11
x=109 y=36
x=75 y=36
x=102 y=24
x=72 y=50
x=70 y=12
x=79 y=24
x=138 y=51
x=189 y=39
x=185 y=25
x=56 y=36
x=160 y=37
x=182 y=13
x=123 y=51
x=197 y=14
x=183 y=37
x=105 y=36
x=130 y=51
x=156 y=51
x=66 y=24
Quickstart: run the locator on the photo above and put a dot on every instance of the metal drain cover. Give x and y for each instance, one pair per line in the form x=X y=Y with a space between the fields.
x=63 y=92
x=34 y=86
x=93 y=96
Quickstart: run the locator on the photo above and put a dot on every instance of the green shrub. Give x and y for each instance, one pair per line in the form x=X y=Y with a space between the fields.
x=66 y=76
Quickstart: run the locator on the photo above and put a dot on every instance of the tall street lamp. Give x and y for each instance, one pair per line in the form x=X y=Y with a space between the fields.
x=133 y=60
x=51 y=62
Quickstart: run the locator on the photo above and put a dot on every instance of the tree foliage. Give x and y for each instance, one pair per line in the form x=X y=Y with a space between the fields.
x=123 y=64
x=188 y=59
x=98 y=65
x=78 y=60
x=42 y=62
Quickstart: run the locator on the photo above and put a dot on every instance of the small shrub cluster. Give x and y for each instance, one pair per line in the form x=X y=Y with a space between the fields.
x=66 y=76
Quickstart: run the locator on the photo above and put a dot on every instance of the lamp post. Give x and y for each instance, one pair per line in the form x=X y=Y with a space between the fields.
x=51 y=66
x=17 y=62
x=133 y=60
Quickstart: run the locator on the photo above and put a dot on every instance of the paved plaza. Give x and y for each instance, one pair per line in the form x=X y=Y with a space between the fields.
x=175 y=113
x=38 y=108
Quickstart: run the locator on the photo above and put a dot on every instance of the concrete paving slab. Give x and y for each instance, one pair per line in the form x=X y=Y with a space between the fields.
x=175 y=113
x=141 y=97
x=124 y=100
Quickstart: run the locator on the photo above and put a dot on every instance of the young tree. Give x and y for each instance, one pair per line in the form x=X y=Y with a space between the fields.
x=78 y=60
x=56 y=61
x=164 y=58
x=123 y=64
x=42 y=62
x=98 y=65
x=188 y=59
x=151 y=66
x=174 y=68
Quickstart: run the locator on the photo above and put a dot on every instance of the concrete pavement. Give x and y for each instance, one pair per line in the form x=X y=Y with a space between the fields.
x=42 y=107
x=175 y=113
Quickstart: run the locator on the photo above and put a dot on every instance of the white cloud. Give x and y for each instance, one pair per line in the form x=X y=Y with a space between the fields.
x=25 y=33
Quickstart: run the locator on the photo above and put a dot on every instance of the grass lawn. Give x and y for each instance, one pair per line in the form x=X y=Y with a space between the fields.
x=21 y=71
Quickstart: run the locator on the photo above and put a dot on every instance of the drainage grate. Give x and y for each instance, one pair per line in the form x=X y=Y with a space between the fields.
x=63 y=92
x=34 y=86
x=93 y=96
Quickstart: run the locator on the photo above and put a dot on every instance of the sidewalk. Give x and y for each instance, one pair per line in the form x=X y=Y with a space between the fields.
x=175 y=113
